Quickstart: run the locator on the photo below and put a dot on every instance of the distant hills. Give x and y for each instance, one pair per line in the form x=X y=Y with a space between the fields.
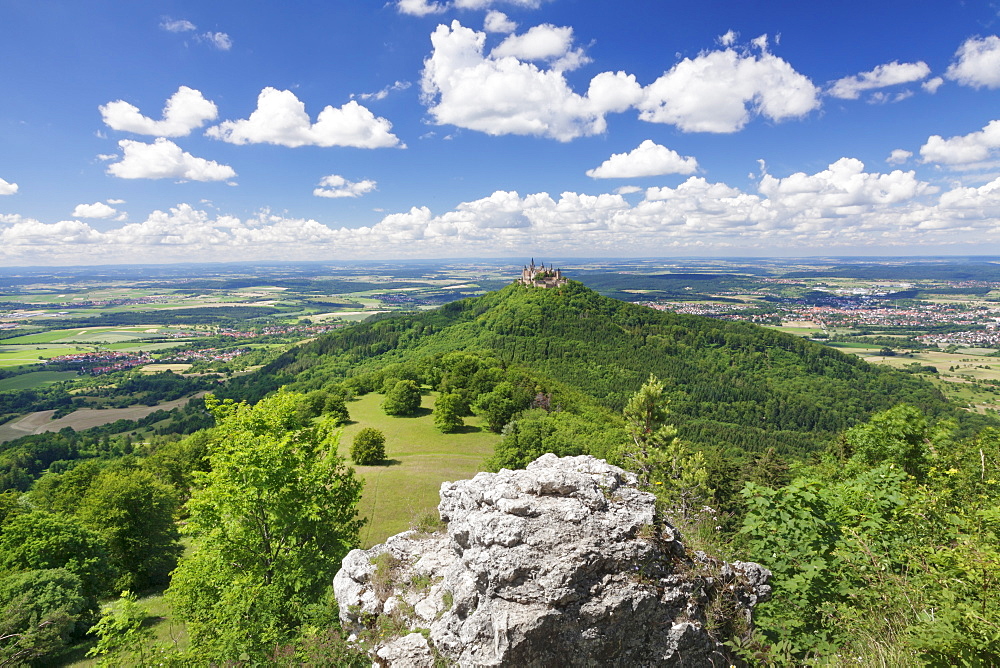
x=732 y=384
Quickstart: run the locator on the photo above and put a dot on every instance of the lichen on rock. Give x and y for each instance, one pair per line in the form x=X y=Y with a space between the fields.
x=565 y=563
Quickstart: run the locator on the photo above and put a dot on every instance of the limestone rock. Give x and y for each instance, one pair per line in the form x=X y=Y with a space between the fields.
x=562 y=564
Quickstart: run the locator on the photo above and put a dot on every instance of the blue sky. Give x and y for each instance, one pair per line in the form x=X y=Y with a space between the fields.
x=225 y=131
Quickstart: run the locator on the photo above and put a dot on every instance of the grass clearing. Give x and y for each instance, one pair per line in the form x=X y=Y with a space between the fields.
x=420 y=458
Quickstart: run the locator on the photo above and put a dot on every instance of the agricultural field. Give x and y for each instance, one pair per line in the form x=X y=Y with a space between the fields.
x=969 y=377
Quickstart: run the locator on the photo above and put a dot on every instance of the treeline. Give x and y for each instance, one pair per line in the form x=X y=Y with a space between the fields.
x=731 y=384
x=23 y=459
x=117 y=390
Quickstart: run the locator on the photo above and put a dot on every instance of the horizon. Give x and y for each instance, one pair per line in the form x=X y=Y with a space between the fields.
x=438 y=129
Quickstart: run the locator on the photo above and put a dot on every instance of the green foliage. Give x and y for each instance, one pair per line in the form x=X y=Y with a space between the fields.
x=40 y=612
x=134 y=513
x=499 y=405
x=368 y=447
x=402 y=399
x=732 y=385
x=448 y=411
x=40 y=541
x=899 y=554
x=121 y=637
x=537 y=432
x=273 y=517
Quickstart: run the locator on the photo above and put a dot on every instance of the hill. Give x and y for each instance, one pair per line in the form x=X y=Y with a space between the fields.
x=731 y=384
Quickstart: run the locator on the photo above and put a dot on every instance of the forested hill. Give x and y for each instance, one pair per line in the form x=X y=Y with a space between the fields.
x=731 y=384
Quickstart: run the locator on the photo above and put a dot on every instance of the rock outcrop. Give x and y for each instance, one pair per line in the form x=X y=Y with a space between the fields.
x=562 y=564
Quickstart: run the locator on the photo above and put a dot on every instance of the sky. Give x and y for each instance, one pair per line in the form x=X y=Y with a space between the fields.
x=160 y=132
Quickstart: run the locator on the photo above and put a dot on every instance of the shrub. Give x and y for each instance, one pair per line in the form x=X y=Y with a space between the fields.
x=368 y=447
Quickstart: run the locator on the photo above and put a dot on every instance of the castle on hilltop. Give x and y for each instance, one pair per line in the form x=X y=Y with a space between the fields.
x=541 y=277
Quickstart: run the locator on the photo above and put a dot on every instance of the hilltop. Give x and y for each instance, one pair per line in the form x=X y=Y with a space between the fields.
x=731 y=384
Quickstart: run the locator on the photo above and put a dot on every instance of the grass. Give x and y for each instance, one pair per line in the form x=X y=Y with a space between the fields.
x=420 y=458
x=28 y=381
x=9 y=357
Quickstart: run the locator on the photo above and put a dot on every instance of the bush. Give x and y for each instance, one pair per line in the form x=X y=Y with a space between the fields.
x=368 y=447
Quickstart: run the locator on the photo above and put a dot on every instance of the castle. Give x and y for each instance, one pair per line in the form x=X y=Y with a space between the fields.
x=541 y=277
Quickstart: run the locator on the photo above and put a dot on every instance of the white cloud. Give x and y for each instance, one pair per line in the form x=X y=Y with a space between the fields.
x=899 y=156
x=281 y=118
x=164 y=159
x=384 y=93
x=718 y=91
x=729 y=38
x=7 y=188
x=178 y=25
x=977 y=63
x=648 y=159
x=504 y=95
x=890 y=74
x=544 y=42
x=498 y=22
x=185 y=110
x=219 y=40
x=964 y=149
x=116 y=201
x=335 y=186
x=932 y=85
x=425 y=7
x=95 y=210
x=841 y=207
x=628 y=190
x=419 y=7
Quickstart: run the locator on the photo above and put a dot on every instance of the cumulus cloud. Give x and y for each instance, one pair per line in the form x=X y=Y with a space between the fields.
x=95 y=210
x=335 y=186
x=7 y=188
x=977 y=63
x=545 y=42
x=932 y=85
x=281 y=118
x=842 y=206
x=963 y=149
x=718 y=91
x=164 y=159
x=498 y=22
x=883 y=76
x=185 y=110
x=504 y=95
x=899 y=156
x=648 y=159
x=177 y=25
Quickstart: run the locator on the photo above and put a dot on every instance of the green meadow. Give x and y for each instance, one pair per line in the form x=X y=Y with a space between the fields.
x=419 y=459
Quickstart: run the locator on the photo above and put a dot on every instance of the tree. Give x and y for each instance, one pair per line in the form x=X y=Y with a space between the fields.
x=501 y=404
x=39 y=614
x=674 y=471
x=121 y=635
x=402 y=399
x=134 y=513
x=40 y=540
x=368 y=447
x=273 y=518
x=448 y=411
